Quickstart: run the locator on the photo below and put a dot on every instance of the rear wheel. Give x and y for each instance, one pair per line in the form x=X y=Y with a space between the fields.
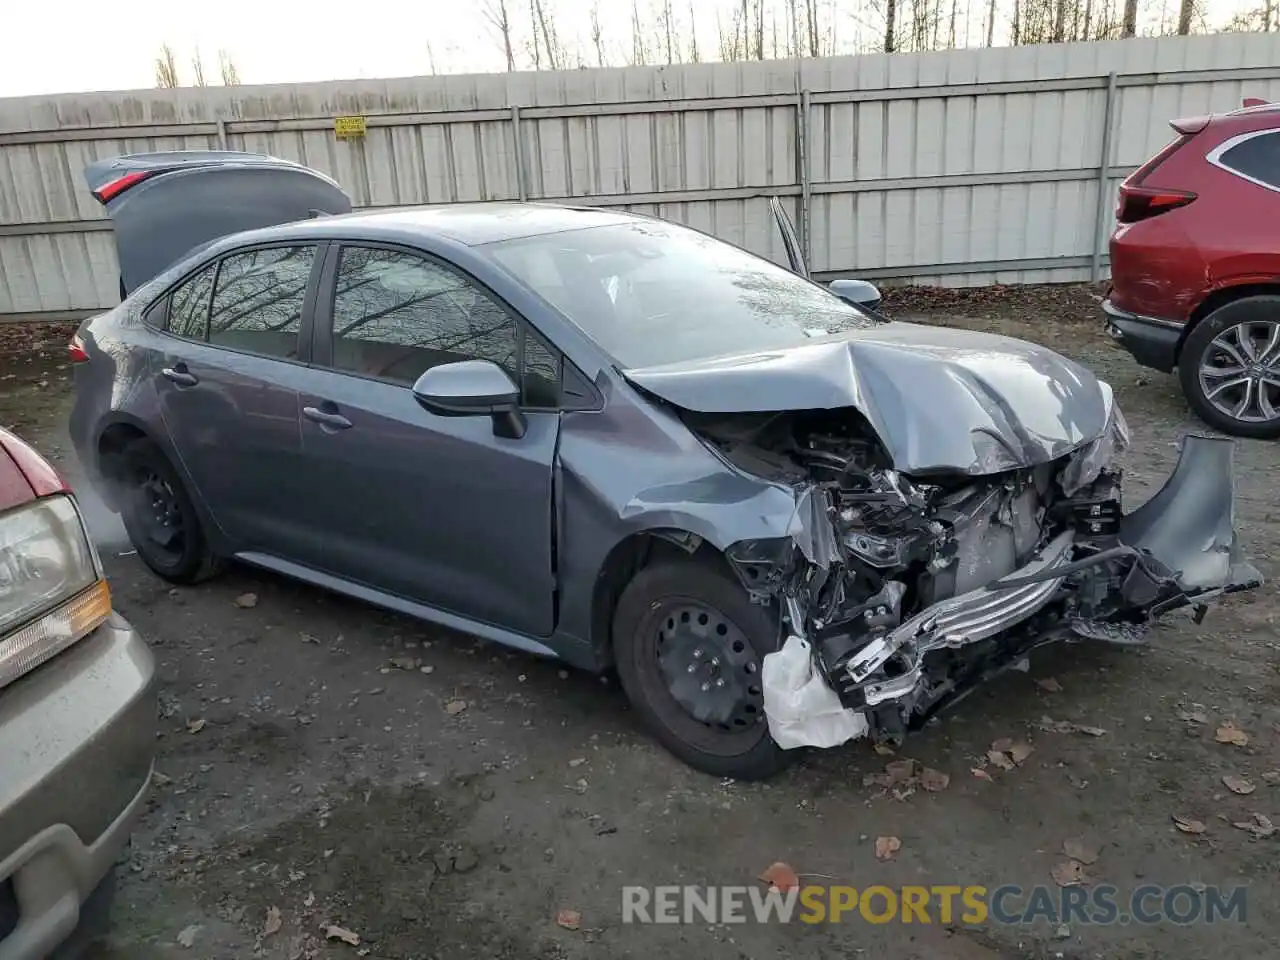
x=1230 y=368
x=160 y=518
x=689 y=644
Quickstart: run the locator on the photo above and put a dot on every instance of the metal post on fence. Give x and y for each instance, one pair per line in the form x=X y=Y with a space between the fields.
x=221 y=127
x=1104 y=194
x=522 y=187
x=802 y=160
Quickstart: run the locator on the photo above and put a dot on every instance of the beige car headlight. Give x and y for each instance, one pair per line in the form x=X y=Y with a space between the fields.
x=51 y=588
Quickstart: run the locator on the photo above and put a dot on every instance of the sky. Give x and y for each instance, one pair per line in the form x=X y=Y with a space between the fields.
x=72 y=45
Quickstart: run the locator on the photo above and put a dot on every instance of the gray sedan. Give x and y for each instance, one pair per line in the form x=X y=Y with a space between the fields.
x=783 y=519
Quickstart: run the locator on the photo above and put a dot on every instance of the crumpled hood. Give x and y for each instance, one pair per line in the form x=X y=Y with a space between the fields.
x=940 y=399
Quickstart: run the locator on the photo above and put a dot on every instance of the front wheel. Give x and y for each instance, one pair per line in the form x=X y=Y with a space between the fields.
x=689 y=644
x=1230 y=368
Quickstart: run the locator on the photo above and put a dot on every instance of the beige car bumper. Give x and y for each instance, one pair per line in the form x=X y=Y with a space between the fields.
x=77 y=738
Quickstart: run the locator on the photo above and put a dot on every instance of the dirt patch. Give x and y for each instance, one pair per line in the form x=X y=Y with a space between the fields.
x=324 y=772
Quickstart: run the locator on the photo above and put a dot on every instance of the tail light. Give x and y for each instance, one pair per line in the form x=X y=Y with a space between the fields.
x=113 y=188
x=1143 y=203
x=1137 y=202
x=76 y=352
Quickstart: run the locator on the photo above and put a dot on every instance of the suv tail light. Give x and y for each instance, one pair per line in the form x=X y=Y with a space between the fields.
x=1137 y=202
x=1143 y=203
x=76 y=352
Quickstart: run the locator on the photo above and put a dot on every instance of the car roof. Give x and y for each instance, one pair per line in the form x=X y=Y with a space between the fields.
x=472 y=224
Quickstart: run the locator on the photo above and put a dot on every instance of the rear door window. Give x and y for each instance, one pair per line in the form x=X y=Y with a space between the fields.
x=1257 y=158
x=189 y=305
x=258 y=300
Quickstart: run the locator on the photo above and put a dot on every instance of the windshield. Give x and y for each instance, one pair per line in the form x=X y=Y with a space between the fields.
x=653 y=293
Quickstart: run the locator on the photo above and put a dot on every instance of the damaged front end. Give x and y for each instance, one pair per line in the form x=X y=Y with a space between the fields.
x=902 y=594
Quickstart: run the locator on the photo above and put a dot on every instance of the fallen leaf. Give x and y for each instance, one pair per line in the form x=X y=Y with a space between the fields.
x=455 y=707
x=569 y=919
x=1003 y=745
x=160 y=780
x=1193 y=716
x=886 y=847
x=1090 y=731
x=1076 y=849
x=332 y=932
x=1069 y=726
x=1049 y=685
x=934 y=780
x=1230 y=733
x=404 y=663
x=1261 y=827
x=196 y=725
x=273 y=923
x=1187 y=824
x=900 y=771
x=781 y=876
x=884 y=750
x=1271 y=778
x=1000 y=759
x=310 y=899
x=188 y=935
x=1069 y=873
x=980 y=773
x=247 y=600
x=308 y=638
x=1238 y=785
x=1020 y=751
x=876 y=780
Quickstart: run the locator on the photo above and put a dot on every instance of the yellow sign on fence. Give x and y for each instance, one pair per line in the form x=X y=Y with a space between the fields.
x=349 y=128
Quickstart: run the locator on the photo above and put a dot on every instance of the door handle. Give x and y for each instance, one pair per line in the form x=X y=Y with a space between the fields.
x=180 y=376
x=334 y=421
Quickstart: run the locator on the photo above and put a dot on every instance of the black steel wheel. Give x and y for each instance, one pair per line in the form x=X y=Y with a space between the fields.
x=689 y=645
x=160 y=518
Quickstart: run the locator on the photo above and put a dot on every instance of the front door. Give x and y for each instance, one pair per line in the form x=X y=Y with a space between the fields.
x=436 y=509
x=227 y=373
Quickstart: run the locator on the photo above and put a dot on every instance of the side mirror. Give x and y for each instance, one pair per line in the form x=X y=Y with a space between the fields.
x=470 y=388
x=858 y=292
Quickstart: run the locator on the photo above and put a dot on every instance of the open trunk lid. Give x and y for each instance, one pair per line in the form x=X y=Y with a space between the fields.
x=164 y=205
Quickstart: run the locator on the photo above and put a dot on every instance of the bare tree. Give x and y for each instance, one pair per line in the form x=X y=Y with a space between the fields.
x=597 y=36
x=167 y=68
x=544 y=23
x=694 y=55
x=890 y=22
x=227 y=68
x=1186 y=10
x=991 y=23
x=499 y=16
x=197 y=70
x=665 y=33
x=639 y=52
x=1129 y=26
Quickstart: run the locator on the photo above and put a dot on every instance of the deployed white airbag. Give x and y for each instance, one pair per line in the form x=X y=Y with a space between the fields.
x=801 y=709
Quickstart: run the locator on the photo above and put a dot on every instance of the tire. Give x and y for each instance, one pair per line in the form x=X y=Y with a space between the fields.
x=1242 y=323
x=648 y=611
x=178 y=550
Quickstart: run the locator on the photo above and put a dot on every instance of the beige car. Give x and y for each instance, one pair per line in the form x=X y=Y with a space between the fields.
x=77 y=713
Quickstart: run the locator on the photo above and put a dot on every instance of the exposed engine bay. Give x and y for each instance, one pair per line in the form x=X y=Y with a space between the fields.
x=911 y=590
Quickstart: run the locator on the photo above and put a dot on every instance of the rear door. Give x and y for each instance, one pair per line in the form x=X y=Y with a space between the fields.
x=227 y=371
x=436 y=509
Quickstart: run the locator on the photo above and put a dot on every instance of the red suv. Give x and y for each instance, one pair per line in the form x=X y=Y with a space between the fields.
x=1195 y=267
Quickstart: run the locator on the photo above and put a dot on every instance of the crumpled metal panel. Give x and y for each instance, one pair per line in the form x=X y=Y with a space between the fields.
x=941 y=400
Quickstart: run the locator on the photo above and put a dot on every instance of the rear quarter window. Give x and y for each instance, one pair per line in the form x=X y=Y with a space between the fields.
x=1257 y=158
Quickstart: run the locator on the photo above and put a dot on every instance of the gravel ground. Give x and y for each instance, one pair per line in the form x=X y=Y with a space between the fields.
x=312 y=774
